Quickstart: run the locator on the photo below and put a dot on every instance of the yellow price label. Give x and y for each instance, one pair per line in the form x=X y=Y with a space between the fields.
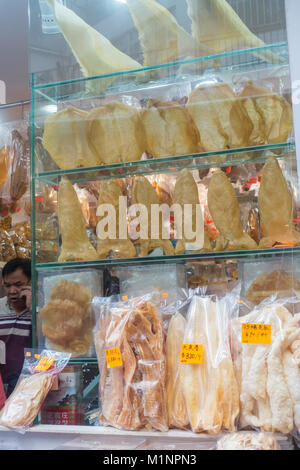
x=256 y=333
x=113 y=357
x=191 y=353
x=44 y=363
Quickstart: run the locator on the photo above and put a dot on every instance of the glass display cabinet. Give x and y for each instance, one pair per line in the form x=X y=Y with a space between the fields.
x=169 y=102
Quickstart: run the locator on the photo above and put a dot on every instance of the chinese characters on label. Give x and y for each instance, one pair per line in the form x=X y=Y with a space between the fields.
x=45 y=363
x=113 y=357
x=256 y=333
x=191 y=353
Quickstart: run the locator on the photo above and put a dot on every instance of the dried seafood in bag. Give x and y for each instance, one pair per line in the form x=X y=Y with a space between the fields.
x=225 y=211
x=219 y=116
x=115 y=133
x=169 y=129
x=95 y=54
x=75 y=242
x=144 y=193
x=177 y=413
x=19 y=167
x=271 y=115
x=119 y=244
x=218 y=26
x=133 y=395
x=161 y=37
x=186 y=192
x=66 y=318
x=244 y=440
x=277 y=282
x=66 y=141
x=275 y=207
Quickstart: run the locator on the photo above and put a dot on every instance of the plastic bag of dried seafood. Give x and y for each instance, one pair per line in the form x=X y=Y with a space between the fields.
x=202 y=391
x=36 y=380
x=266 y=353
x=250 y=440
x=130 y=346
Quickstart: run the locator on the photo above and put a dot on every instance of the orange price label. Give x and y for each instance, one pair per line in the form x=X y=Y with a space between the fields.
x=113 y=357
x=191 y=353
x=44 y=363
x=256 y=333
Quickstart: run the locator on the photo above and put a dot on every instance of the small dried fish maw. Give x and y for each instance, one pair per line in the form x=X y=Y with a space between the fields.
x=244 y=440
x=115 y=133
x=219 y=116
x=66 y=141
x=95 y=54
x=258 y=134
x=162 y=39
x=19 y=167
x=75 y=242
x=177 y=413
x=275 y=207
x=169 y=129
x=292 y=377
x=110 y=193
x=24 y=404
x=295 y=348
x=4 y=158
x=277 y=282
x=186 y=192
x=218 y=26
x=144 y=193
x=274 y=110
x=225 y=211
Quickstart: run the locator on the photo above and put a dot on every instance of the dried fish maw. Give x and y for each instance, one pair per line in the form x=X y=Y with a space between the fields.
x=4 y=158
x=292 y=377
x=74 y=291
x=275 y=207
x=274 y=110
x=177 y=413
x=23 y=405
x=277 y=282
x=162 y=39
x=218 y=26
x=115 y=133
x=206 y=119
x=144 y=193
x=258 y=134
x=110 y=193
x=66 y=141
x=95 y=54
x=225 y=211
x=75 y=242
x=186 y=192
x=169 y=129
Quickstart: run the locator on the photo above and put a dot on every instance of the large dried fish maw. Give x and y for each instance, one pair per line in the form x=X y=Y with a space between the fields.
x=162 y=39
x=277 y=388
x=186 y=192
x=277 y=282
x=144 y=193
x=115 y=133
x=295 y=348
x=225 y=211
x=275 y=207
x=169 y=129
x=177 y=413
x=75 y=242
x=4 y=158
x=258 y=134
x=292 y=377
x=95 y=54
x=110 y=193
x=274 y=110
x=66 y=141
x=218 y=26
x=19 y=167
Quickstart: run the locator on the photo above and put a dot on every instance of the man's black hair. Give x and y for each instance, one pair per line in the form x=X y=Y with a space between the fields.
x=17 y=263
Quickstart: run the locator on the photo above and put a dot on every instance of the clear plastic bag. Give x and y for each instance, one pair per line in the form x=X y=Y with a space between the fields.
x=266 y=352
x=250 y=440
x=36 y=379
x=132 y=390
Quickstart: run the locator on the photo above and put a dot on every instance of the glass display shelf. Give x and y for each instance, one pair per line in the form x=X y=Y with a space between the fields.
x=223 y=158
x=233 y=62
x=238 y=254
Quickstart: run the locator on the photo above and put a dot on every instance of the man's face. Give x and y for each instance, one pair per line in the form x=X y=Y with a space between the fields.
x=13 y=284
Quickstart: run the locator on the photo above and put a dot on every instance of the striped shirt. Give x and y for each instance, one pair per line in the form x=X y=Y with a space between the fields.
x=15 y=332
